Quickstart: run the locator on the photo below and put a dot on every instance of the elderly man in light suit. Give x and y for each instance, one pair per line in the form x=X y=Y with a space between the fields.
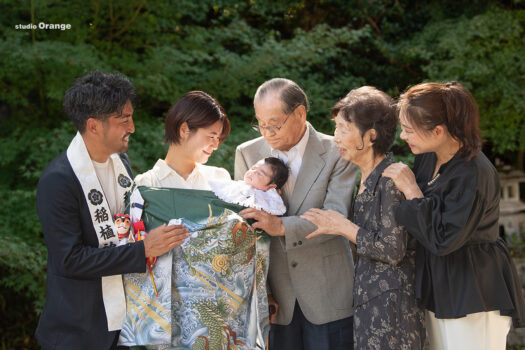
x=310 y=280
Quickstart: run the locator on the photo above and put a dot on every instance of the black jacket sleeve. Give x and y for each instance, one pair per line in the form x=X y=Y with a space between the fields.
x=445 y=219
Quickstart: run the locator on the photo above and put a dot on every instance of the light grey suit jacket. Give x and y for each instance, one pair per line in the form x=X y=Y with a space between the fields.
x=318 y=272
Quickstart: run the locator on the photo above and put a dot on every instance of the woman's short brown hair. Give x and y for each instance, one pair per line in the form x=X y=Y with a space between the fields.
x=370 y=108
x=428 y=105
x=198 y=110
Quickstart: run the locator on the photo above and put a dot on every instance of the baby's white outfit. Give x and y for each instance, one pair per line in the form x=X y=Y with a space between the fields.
x=239 y=192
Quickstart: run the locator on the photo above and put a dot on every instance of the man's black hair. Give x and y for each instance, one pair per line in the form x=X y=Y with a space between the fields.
x=97 y=95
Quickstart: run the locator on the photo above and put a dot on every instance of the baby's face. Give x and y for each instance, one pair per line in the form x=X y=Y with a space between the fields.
x=259 y=176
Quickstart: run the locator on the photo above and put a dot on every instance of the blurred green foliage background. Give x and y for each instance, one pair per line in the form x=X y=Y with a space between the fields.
x=228 y=48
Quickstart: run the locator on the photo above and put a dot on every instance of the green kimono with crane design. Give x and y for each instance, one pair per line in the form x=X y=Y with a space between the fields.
x=219 y=292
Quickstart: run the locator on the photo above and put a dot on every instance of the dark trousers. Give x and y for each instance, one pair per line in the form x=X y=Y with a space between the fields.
x=113 y=346
x=301 y=334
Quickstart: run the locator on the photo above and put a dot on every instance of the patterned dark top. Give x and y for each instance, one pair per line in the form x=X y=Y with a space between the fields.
x=385 y=256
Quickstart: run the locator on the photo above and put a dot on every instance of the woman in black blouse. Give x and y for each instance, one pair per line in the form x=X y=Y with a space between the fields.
x=385 y=312
x=464 y=276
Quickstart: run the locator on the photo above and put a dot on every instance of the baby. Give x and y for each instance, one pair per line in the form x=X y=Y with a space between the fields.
x=259 y=187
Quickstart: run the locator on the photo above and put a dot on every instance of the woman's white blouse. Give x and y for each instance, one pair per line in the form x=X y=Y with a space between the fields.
x=163 y=176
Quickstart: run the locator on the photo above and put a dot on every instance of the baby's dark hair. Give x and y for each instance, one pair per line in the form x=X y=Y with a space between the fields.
x=280 y=171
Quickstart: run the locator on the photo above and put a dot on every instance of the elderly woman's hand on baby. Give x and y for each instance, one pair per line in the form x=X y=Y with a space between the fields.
x=330 y=222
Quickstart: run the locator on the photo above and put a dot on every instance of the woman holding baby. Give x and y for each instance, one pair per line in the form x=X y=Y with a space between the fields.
x=195 y=126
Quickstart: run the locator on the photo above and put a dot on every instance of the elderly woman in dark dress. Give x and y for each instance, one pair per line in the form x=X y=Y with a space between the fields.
x=464 y=275
x=386 y=315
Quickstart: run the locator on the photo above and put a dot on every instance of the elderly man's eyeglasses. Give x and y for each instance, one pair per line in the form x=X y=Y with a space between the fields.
x=271 y=128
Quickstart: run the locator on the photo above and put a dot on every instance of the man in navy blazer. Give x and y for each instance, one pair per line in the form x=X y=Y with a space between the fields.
x=75 y=314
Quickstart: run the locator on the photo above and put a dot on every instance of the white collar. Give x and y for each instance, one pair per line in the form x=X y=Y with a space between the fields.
x=298 y=149
x=165 y=170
